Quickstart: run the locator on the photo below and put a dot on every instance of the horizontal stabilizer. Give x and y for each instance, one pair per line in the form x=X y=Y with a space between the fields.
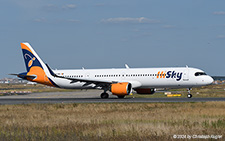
x=24 y=76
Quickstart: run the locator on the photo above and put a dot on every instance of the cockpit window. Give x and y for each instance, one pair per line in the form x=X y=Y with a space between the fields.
x=200 y=73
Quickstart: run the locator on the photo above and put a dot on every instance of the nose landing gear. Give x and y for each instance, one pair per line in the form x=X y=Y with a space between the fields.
x=189 y=93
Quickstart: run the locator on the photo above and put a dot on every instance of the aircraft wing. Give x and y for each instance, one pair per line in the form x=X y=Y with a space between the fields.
x=88 y=81
x=101 y=83
x=98 y=83
x=74 y=80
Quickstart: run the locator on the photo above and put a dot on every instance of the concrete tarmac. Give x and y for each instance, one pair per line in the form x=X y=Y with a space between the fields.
x=90 y=96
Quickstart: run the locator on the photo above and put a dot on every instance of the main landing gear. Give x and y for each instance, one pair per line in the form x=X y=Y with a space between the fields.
x=104 y=95
x=120 y=96
x=189 y=93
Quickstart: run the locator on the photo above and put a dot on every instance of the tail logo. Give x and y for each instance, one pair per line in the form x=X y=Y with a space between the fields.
x=30 y=63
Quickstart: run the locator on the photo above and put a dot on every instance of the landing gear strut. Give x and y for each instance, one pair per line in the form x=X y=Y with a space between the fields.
x=189 y=93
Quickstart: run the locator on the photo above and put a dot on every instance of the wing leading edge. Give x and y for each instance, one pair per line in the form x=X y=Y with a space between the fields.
x=87 y=81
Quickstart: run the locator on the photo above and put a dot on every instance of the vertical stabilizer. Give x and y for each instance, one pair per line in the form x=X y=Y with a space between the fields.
x=35 y=66
x=30 y=57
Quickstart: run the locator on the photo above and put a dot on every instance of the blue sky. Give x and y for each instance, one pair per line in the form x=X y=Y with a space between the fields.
x=108 y=34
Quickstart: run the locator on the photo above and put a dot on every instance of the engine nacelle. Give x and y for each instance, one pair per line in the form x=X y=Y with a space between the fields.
x=145 y=91
x=124 y=88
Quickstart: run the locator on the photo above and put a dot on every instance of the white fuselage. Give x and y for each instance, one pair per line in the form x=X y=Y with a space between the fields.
x=177 y=77
x=118 y=81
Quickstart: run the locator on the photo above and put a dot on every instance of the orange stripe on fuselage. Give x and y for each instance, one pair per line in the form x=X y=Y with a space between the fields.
x=23 y=46
x=41 y=76
x=158 y=74
x=164 y=75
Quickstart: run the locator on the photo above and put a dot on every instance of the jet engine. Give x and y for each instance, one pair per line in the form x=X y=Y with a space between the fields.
x=147 y=91
x=123 y=88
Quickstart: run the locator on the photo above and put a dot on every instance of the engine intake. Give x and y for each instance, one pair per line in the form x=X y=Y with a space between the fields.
x=124 y=88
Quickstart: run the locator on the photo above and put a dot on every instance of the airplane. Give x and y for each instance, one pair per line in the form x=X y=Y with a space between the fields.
x=119 y=82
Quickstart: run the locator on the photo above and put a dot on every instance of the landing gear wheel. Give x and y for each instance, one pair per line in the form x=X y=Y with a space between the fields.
x=120 y=96
x=189 y=96
x=189 y=93
x=104 y=95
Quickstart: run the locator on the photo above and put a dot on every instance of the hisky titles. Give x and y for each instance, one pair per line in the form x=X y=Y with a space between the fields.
x=170 y=74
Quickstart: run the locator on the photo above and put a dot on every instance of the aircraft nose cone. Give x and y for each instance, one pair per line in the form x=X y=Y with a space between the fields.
x=210 y=80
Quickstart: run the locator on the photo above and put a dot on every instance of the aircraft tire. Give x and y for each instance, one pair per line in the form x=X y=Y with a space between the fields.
x=120 y=96
x=189 y=96
x=104 y=95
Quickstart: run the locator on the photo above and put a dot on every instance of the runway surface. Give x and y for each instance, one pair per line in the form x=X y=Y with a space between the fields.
x=110 y=100
x=89 y=97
